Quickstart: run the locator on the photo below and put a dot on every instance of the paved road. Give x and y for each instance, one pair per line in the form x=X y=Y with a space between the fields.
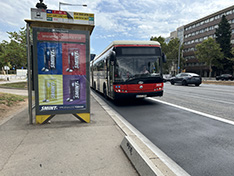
x=200 y=145
x=216 y=100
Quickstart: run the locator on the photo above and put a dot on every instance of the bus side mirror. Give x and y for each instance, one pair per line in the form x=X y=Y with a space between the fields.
x=112 y=57
x=92 y=56
x=164 y=58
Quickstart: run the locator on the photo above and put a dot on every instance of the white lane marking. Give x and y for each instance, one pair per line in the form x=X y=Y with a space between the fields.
x=197 y=96
x=196 y=112
x=163 y=157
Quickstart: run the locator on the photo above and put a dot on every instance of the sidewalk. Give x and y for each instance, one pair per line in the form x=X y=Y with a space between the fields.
x=13 y=77
x=12 y=81
x=108 y=145
x=64 y=147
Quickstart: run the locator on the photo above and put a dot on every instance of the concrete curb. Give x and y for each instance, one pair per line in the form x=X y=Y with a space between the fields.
x=145 y=156
x=140 y=161
x=227 y=83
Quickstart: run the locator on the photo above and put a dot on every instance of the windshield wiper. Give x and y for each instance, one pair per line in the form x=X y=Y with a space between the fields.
x=138 y=76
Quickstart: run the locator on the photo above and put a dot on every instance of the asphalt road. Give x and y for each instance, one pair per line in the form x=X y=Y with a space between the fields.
x=216 y=100
x=199 y=144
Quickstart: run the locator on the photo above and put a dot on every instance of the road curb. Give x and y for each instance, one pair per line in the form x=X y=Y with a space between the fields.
x=145 y=157
x=226 y=83
x=140 y=161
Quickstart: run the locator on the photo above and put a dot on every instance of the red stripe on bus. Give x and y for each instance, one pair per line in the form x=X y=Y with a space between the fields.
x=138 y=88
x=137 y=45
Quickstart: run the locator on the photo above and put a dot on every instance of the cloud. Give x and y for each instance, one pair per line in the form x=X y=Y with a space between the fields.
x=13 y=12
x=4 y=36
x=120 y=19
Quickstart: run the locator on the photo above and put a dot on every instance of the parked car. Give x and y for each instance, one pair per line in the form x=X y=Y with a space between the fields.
x=225 y=77
x=187 y=78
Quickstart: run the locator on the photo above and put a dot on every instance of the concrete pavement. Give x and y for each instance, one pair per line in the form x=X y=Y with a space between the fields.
x=64 y=147
x=105 y=146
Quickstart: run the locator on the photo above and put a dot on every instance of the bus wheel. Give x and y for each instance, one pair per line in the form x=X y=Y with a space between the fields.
x=94 y=85
x=104 y=91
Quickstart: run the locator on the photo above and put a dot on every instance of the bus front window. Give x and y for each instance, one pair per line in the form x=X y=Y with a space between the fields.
x=132 y=67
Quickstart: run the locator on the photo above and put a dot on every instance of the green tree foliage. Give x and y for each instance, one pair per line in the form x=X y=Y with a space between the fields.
x=172 y=54
x=209 y=52
x=232 y=60
x=161 y=40
x=223 y=37
x=171 y=50
x=14 y=53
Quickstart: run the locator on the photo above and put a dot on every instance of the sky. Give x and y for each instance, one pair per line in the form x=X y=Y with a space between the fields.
x=117 y=19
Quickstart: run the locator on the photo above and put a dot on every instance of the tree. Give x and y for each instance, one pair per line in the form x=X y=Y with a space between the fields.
x=14 y=52
x=208 y=51
x=161 y=40
x=171 y=51
x=223 y=37
x=172 y=54
x=232 y=59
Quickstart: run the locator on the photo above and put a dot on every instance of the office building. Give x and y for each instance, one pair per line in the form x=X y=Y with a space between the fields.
x=199 y=30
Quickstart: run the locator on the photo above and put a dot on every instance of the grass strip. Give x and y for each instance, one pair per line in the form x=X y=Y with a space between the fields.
x=18 y=85
x=10 y=99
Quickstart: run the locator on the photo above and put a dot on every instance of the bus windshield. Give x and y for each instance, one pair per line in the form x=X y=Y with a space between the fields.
x=127 y=68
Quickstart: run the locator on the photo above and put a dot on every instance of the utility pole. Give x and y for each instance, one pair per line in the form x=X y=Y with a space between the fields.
x=179 y=57
x=62 y=3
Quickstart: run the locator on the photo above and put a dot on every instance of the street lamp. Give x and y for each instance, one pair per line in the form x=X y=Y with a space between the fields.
x=179 y=57
x=62 y=3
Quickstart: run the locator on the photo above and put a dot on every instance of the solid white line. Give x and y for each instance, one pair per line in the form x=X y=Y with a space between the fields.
x=196 y=112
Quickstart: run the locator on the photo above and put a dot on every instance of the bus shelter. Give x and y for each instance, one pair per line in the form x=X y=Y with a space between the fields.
x=58 y=64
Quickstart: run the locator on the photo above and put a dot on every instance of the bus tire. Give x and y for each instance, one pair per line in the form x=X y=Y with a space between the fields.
x=94 y=85
x=104 y=91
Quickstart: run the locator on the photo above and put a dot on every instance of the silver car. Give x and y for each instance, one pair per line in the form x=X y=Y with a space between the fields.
x=187 y=78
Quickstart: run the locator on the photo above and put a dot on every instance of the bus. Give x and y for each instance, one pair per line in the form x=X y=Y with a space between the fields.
x=128 y=69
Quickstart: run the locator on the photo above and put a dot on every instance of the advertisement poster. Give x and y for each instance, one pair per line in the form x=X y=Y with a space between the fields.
x=50 y=89
x=61 y=70
x=49 y=58
x=74 y=90
x=74 y=59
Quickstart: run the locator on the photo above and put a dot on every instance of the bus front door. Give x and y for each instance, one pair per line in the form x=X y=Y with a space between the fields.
x=110 y=77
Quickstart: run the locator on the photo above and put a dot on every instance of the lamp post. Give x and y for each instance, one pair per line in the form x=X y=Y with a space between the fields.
x=179 y=57
x=62 y=3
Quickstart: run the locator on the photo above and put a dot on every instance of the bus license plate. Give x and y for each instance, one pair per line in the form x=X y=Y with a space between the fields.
x=140 y=96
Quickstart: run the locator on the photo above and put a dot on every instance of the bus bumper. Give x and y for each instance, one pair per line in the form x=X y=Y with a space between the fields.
x=137 y=95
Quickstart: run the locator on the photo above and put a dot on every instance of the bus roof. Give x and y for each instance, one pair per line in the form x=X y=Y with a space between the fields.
x=128 y=42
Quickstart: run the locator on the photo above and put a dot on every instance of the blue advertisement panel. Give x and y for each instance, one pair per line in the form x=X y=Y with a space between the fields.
x=61 y=66
x=49 y=58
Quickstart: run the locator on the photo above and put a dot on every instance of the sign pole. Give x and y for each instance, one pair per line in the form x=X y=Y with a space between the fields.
x=29 y=77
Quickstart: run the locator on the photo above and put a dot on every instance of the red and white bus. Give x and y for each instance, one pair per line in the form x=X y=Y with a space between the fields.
x=128 y=69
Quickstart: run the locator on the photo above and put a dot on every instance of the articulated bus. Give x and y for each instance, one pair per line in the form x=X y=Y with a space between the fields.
x=128 y=69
